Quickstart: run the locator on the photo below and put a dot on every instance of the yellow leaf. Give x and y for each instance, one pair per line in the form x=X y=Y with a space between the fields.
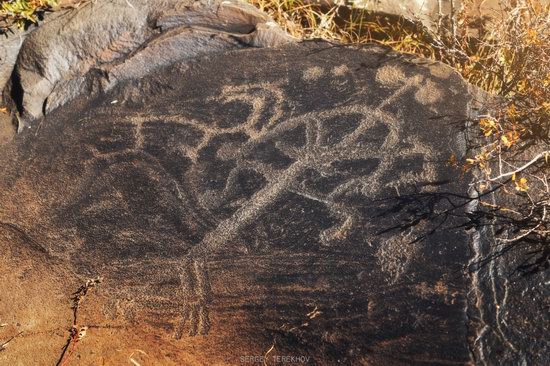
x=505 y=141
x=510 y=138
x=532 y=35
x=3 y=110
x=488 y=126
x=521 y=185
x=522 y=85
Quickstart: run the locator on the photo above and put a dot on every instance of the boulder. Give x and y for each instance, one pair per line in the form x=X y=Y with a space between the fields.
x=196 y=188
x=426 y=11
x=105 y=37
x=286 y=202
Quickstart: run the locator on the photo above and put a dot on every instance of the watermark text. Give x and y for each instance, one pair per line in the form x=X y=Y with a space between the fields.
x=275 y=359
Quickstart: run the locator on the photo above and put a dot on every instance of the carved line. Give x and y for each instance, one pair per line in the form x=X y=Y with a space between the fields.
x=228 y=229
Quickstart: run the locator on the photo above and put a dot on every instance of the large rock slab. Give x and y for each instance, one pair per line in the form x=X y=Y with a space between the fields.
x=121 y=39
x=295 y=201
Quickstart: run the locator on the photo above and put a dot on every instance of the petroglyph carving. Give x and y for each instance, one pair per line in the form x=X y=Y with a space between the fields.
x=196 y=294
x=271 y=156
x=245 y=167
x=390 y=75
x=313 y=73
x=395 y=254
x=341 y=70
x=231 y=196
x=429 y=93
x=241 y=153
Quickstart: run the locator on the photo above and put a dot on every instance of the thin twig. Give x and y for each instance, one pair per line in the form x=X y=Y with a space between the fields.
x=76 y=332
x=5 y=344
x=543 y=154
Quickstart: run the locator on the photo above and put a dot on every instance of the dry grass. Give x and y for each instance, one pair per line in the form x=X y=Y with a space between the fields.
x=22 y=12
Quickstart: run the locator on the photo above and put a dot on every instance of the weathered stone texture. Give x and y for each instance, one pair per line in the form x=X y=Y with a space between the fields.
x=235 y=193
x=264 y=197
x=119 y=39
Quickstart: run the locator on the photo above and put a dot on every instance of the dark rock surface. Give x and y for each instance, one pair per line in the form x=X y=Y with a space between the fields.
x=264 y=198
x=512 y=308
x=510 y=292
x=226 y=202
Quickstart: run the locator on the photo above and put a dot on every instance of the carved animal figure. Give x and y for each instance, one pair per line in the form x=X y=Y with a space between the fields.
x=254 y=202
